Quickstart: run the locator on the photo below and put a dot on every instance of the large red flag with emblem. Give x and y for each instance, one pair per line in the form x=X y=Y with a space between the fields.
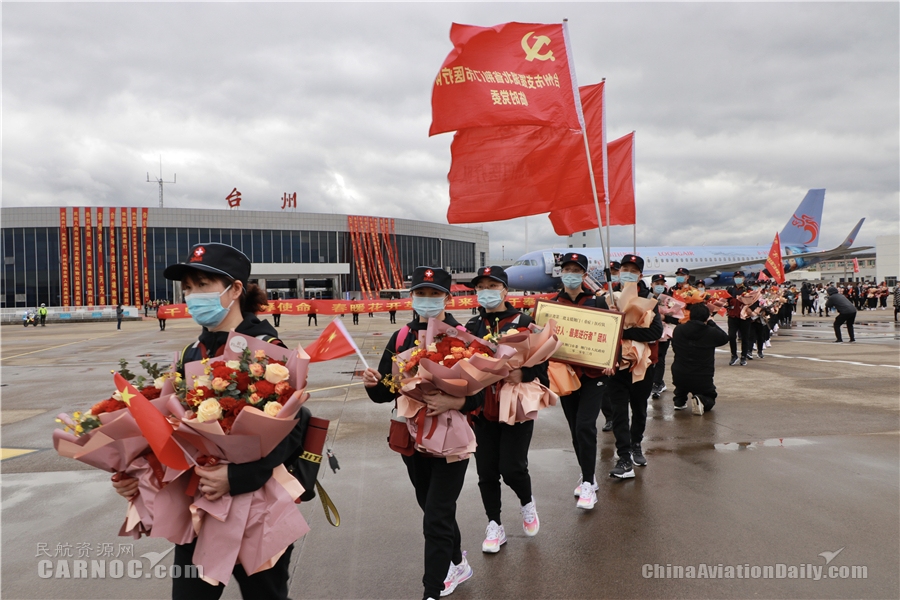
x=154 y=426
x=774 y=264
x=620 y=161
x=333 y=342
x=509 y=74
x=500 y=173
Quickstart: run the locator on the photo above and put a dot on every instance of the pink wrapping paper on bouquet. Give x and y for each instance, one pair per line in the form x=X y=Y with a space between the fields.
x=748 y=298
x=638 y=313
x=670 y=307
x=252 y=529
x=521 y=401
x=447 y=434
x=118 y=446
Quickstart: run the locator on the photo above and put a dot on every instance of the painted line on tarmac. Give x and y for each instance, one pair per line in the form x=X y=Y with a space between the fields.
x=825 y=360
x=59 y=346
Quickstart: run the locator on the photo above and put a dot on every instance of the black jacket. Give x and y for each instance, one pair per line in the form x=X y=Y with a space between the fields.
x=487 y=322
x=381 y=393
x=694 y=344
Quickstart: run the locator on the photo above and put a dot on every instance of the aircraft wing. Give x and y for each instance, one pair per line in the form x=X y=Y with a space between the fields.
x=804 y=258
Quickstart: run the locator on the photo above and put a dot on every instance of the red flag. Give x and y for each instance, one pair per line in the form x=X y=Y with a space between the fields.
x=763 y=276
x=620 y=158
x=774 y=265
x=333 y=342
x=500 y=173
x=855 y=265
x=154 y=426
x=510 y=74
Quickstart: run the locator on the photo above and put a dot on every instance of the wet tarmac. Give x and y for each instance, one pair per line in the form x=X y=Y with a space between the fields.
x=789 y=488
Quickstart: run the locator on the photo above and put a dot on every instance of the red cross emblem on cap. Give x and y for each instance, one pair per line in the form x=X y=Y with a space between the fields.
x=199 y=252
x=575 y=256
x=487 y=270
x=429 y=275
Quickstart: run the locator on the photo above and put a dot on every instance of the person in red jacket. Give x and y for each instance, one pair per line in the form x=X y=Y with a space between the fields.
x=736 y=324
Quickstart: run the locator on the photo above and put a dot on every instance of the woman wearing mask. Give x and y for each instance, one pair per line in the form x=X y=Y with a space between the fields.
x=582 y=407
x=658 y=286
x=214 y=280
x=437 y=482
x=502 y=449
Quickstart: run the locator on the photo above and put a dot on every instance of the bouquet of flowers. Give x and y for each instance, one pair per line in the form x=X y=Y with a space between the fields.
x=521 y=401
x=236 y=409
x=107 y=437
x=638 y=312
x=456 y=363
x=748 y=298
x=715 y=300
x=670 y=307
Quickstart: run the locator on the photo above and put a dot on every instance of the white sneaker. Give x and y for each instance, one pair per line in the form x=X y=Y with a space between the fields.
x=696 y=405
x=530 y=522
x=580 y=481
x=588 y=497
x=494 y=537
x=456 y=575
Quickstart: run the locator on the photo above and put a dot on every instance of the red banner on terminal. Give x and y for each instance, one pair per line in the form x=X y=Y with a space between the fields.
x=342 y=307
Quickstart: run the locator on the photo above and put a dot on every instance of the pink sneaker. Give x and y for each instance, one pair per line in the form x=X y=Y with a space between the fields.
x=494 y=537
x=530 y=521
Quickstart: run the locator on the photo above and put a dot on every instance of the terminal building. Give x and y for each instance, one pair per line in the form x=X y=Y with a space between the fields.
x=97 y=256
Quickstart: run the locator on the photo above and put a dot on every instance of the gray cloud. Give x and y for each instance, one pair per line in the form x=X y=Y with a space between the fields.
x=738 y=108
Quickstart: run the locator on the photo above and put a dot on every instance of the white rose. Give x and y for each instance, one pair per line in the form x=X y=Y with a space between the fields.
x=117 y=396
x=276 y=373
x=233 y=364
x=202 y=381
x=272 y=408
x=209 y=410
x=159 y=382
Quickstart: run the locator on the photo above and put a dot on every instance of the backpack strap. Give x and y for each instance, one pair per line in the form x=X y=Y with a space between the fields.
x=401 y=337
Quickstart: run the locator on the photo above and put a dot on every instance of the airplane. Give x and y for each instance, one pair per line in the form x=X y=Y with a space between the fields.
x=539 y=271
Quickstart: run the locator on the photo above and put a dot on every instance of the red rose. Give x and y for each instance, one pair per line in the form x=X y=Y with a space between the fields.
x=243 y=381
x=150 y=392
x=220 y=370
x=264 y=388
x=227 y=404
x=108 y=405
x=449 y=362
x=227 y=423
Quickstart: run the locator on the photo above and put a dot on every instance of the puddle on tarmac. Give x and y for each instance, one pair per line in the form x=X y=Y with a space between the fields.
x=774 y=442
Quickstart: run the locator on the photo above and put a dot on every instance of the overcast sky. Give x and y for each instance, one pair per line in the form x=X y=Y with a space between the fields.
x=739 y=109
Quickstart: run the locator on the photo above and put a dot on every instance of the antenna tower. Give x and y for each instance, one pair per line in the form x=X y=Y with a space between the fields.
x=160 y=181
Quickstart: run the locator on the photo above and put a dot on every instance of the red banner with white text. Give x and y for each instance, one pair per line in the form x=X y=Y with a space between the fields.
x=90 y=299
x=101 y=279
x=145 y=277
x=113 y=260
x=76 y=257
x=343 y=307
x=123 y=251
x=65 y=276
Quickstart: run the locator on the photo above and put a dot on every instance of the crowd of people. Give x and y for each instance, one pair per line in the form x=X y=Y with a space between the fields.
x=862 y=295
x=221 y=299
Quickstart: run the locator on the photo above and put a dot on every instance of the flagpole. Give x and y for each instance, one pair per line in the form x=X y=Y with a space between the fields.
x=587 y=149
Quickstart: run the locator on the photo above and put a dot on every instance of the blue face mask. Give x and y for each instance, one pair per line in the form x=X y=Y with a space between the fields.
x=627 y=277
x=739 y=280
x=427 y=307
x=614 y=278
x=490 y=298
x=659 y=289
x=572 y=281
x=205 y=309
x=679 y=279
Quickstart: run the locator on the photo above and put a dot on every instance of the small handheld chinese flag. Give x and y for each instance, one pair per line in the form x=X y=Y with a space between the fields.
x=333 y=342
x=154 y=426
x=773 y=261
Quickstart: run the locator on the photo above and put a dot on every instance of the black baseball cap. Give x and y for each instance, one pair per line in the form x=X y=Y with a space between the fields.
x=635 y=260
x=432 y=277
x=615 y=265
x=682 y=271
x=579 y=259
x=738 y=274
x=215 y=258
x=658 y=277
x=496 y=273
